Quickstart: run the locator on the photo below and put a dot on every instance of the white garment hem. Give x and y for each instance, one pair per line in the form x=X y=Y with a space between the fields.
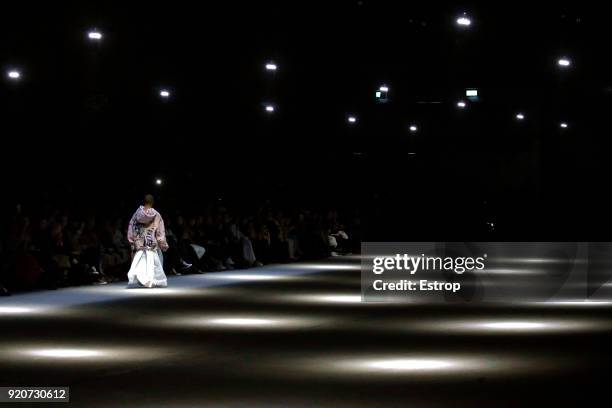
x=146 y=270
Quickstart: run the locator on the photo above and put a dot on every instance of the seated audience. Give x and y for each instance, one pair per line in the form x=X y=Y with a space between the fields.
x=55 y=248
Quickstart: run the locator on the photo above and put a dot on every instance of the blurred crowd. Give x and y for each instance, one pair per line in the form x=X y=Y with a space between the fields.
x=58 y=248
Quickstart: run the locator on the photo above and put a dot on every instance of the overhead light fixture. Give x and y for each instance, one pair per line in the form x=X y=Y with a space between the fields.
x=564 y=62
x=464 y=21
x=14 y=74
x=94 y=35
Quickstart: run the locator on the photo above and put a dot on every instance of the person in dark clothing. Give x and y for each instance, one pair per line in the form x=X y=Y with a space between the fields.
x=174 y=259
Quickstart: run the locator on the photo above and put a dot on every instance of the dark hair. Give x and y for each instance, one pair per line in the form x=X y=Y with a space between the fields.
x=148 y=200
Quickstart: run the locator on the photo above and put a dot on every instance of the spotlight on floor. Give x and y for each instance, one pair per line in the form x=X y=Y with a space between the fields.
x=94 y=35
x=242 y=322
x=564 y=62
x=325 y=266
x=409 y=364
x=571 y=303
x=14 y=310
x=64 y=353
x=432 y=366
x=511 y=325
x=339 y=299
x=246 y=277
x=324 y=298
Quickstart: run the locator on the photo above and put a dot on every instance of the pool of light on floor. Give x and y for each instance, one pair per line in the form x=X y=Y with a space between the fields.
x=321 y=298
x=418 y=366
x=229 y=322
x=15 y=310
x=34 y=353
x=506 y=326
x=408 y=364
x=62 y=353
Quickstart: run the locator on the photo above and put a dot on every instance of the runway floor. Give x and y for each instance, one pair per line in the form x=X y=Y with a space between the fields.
x=298 y=336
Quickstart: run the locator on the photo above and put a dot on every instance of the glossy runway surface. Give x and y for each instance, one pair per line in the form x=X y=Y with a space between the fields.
x=298 y=336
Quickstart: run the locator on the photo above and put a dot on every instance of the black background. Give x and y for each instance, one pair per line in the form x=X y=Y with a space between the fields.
x=85 y=128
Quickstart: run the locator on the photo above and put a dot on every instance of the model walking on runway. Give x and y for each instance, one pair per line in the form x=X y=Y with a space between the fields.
x=147 y=236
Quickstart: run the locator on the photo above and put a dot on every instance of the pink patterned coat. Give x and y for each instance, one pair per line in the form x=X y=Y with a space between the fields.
x=146 y=230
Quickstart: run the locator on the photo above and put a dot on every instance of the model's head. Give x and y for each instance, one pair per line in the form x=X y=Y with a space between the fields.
x=149 y=201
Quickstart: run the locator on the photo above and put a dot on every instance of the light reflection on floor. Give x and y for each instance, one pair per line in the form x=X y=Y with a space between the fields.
x=507 y=326
x=570 y=303
x=72 y=353
x=287 y=331
x=326 y=266
x=16 y=310
x=420 y=366
x=33 y=311
x=246 y=277
x=328 y=298
x=260 y=321
x=62 y=353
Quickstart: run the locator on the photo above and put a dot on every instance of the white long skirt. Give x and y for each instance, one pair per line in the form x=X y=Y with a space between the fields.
x=147 y=270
